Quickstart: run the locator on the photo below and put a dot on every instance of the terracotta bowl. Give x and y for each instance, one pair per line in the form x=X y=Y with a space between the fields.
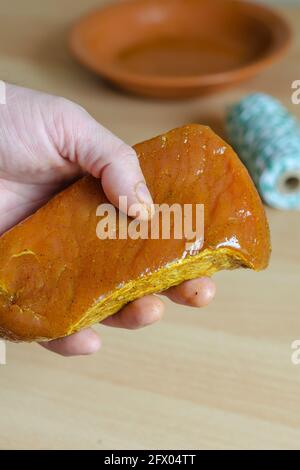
x=179 y=48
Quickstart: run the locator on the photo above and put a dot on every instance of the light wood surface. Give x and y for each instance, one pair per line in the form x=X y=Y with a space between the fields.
x=217 y=378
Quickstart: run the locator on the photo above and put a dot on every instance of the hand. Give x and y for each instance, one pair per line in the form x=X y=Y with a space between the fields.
x=45 y=143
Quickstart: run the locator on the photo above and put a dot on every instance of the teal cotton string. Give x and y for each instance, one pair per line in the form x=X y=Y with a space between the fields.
x=267 y=138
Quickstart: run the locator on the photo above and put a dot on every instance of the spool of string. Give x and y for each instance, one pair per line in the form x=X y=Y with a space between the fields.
x=267 y=138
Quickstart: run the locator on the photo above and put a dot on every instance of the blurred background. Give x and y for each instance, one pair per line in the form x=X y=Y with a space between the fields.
x=217 y=378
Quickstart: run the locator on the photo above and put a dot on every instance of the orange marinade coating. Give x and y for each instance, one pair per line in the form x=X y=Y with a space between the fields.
x=53 y=267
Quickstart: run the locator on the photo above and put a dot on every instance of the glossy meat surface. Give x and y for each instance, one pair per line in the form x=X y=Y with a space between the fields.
x=56 y=276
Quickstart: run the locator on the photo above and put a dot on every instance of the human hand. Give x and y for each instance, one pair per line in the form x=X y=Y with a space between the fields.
x=46 y=142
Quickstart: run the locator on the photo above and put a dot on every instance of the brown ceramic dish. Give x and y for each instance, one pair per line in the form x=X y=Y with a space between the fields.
x=179 y=48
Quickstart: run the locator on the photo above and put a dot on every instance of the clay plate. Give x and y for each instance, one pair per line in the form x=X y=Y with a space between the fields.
x=179 y=48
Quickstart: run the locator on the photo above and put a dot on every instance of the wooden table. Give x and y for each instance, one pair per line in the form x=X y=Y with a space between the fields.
x=217 y=378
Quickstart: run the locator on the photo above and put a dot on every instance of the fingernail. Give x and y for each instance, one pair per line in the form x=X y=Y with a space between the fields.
x=144 y=197
x=142 y=193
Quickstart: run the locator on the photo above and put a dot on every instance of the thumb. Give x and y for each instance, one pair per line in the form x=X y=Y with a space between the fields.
x=99 y=152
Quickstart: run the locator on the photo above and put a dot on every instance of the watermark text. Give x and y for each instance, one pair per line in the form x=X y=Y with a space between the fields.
x=176 y=221
x=2 y=352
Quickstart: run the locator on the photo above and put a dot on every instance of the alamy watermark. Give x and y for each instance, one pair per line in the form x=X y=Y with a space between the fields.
x=296 y=93
x=295 y=357
x=2 y=352
x=176 y=221
x=2 y=92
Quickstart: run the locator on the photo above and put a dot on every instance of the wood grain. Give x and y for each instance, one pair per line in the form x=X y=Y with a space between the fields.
x=217 y=378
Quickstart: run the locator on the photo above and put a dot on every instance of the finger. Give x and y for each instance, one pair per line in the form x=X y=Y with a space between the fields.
x=195 y=293
x=82 y=343
x=105 y=156
x=137 y=314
